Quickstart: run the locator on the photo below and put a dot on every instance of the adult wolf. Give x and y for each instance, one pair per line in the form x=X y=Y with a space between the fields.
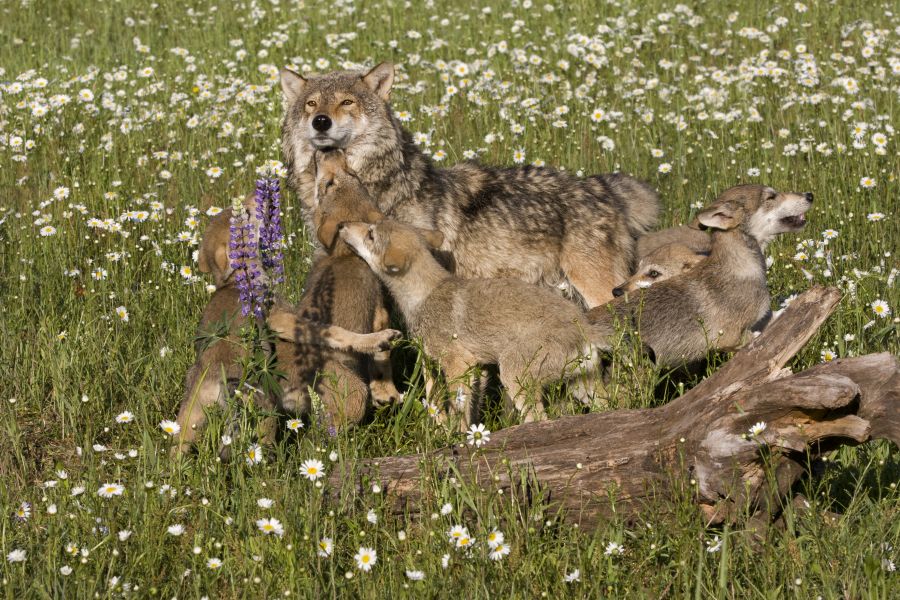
x=536 y=224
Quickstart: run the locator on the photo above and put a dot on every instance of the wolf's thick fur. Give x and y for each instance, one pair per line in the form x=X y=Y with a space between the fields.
x=536 y=224
x=219 y=364
x=714 y=305
x=532 y=334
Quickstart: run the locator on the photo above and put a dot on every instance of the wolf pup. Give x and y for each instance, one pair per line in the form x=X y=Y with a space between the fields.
x=663 y=263
x=341 y=289
x=219 y=364
x=714 y=305
x=529 y=332
x=535 y=224
x=765 y=207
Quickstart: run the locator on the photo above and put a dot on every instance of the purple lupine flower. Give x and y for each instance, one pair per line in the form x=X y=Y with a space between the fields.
x=268 y=212
x=251 y=282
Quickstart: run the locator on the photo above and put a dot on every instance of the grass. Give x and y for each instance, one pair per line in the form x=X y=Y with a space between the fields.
x=724 y=91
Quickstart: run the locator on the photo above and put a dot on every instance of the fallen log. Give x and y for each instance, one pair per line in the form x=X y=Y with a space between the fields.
x=709 y=436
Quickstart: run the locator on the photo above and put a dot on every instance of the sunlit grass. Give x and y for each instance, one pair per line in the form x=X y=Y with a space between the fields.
x=181 y=90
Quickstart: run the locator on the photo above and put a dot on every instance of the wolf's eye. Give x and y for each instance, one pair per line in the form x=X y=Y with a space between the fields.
x=654 y=274
x=371 y=235
x=347 y=102
x=311 y=103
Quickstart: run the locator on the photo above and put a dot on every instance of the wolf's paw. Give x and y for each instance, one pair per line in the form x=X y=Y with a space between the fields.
x=384 y=339
x=383 y=392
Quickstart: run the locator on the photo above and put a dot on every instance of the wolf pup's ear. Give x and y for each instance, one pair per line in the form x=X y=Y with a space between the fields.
x=396 y=261
x=719 y=216
x=380 y=79
x=292 y=84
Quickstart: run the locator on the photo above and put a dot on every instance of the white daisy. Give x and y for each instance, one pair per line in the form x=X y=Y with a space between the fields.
x=757 y=428
x=108 y=490
x=170 y=427
x=326 y=547
x=312 y=469
x=16 y=556
x=478 y=435
x=499 y=552
x=881 y=308
x=270 y=526
x=366 y=558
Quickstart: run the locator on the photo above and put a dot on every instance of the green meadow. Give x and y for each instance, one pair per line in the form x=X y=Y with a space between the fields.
x=125 y=124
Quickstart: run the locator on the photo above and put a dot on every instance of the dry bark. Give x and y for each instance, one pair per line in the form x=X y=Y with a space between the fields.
x=574 y=463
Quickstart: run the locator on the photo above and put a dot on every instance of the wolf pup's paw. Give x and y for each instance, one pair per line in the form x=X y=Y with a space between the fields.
x=387 y=337
x=383 y=392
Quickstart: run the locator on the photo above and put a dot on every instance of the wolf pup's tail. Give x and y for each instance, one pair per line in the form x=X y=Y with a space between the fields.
x=639 y=201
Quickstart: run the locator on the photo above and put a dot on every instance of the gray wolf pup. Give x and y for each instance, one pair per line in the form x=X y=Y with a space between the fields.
x=218 y=365
x=768 y=214
x=532 y=334
x=535 y=224
x=714 y=305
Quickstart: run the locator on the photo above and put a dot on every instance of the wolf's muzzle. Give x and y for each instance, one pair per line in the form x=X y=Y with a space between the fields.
x=321 y=123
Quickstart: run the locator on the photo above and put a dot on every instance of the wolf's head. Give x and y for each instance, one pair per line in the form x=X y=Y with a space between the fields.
x=343 y=109
x=663 y=263
x=762 y=211
x=340 y=197
x=390 y=248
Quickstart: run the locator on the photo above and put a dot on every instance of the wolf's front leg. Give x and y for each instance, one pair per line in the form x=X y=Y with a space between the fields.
x=292 y=328
x=381 y=376
x=456 y=363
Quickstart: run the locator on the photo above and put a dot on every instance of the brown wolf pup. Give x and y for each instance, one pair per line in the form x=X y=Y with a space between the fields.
x=714 y=305
x=219 y=364
x=342 y=290
x=663 y=263
x=530 y=332
x=536 y=224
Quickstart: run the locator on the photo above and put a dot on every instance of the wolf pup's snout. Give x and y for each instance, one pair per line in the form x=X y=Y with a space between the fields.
x=321 y=123
x=617 y=292
x=808 y=196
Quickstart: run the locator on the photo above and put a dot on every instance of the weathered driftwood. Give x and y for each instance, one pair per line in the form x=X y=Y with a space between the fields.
x=577 y=463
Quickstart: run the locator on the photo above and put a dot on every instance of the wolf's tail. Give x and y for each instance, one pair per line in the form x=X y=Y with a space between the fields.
x=639 y=201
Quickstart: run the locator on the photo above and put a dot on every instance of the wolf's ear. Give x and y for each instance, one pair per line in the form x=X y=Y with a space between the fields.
x=292 y=84
x=396 y=261
x=327 y=232
x=380 y=79
x=722 y=216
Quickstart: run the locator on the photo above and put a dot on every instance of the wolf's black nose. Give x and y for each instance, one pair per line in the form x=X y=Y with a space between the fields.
x=808 y=196
x=321 y=123
x=618 y=292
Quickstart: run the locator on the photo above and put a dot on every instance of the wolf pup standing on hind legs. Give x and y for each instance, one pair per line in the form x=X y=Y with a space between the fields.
x=536 y=224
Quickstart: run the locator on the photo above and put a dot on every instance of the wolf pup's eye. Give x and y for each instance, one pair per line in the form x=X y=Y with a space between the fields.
x=371 y=235
x=347 y=102
x=311 y=103
x=654 y=274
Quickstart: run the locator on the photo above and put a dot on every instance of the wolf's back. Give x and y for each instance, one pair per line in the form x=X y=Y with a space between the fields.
x=638 y=200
